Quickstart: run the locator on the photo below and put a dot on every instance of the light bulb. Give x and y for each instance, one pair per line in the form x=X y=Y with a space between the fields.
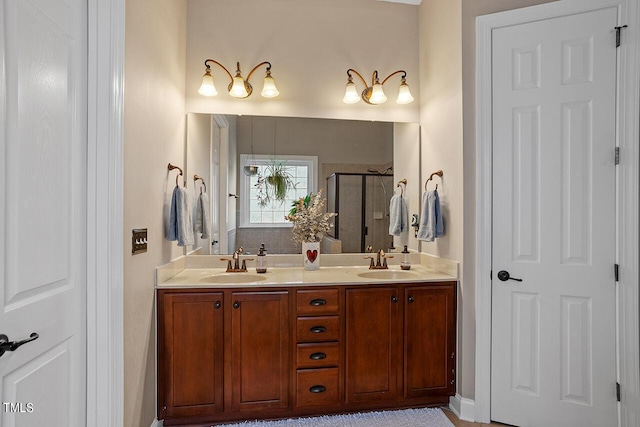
x=269 y=90
x=377 y=94
x=351 y=95
x=238 y=89
x=404 y=95
x=207 y=88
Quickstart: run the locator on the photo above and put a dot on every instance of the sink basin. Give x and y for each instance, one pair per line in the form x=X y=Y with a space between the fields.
x=388 y=275
x=233 y=278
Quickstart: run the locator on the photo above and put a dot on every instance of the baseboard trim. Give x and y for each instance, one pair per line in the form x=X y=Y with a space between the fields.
x=464 y=408
x=156 y=423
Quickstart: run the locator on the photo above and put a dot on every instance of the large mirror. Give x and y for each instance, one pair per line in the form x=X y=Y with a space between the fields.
x=357 y=164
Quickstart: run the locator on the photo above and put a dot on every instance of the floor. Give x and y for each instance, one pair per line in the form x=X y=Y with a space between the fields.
x=459 y=423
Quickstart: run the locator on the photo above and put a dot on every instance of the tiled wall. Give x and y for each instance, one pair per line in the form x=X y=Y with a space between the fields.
x=276 y=240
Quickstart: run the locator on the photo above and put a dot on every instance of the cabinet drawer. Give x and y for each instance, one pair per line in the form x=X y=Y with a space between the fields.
x=318 y=329
x=317 y=387
x=318 y=355
x=317 y=301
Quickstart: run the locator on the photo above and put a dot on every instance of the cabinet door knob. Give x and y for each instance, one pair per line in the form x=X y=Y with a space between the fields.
x=236 y=304
x=317 y=389
x=394 y=299
x=218 y=304
x=318 y=302
x=318 y=329
x=411 y=299
x=318 y=356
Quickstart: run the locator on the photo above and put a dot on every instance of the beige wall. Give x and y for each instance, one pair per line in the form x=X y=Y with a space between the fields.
x=310 y=44
x=441 y=124
x=447 y=117
x=153 y=137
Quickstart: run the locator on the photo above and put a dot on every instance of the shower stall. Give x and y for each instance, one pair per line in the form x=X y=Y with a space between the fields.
x=362 y=203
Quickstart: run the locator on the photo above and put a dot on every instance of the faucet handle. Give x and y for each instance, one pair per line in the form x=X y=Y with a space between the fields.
x=229 y=266
x=244 y=263
x=370 y=249
x=371 y=264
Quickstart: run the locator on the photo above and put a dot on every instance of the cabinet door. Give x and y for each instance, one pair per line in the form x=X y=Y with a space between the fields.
x=260 y=336
x=191 y=352
x=373 y=344
x=430 y=340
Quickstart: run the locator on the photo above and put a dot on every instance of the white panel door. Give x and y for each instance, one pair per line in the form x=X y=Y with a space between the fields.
x=43 y=140
x=553 y=333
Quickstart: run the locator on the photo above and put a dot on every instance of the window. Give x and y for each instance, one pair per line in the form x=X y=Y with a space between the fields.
x=303 y=172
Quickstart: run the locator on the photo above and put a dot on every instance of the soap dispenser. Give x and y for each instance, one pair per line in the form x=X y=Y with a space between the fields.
x=405 y=264
x=261 y=263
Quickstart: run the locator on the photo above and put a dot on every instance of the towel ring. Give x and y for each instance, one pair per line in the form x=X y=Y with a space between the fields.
x=195 y=178
x=439 y=173
x=402 y=181
x=171 y=167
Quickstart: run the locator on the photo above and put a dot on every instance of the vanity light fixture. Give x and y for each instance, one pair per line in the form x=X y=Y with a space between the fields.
x=374 y=94
x=239 y=87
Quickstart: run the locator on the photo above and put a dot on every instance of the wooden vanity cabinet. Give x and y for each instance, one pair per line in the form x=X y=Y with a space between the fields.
x=223 y=355
x=234 y=354
x=373 y=344
x=190 y=354
x=318 y=338
x=400 y=343
x=429 y=340
x=260 y=367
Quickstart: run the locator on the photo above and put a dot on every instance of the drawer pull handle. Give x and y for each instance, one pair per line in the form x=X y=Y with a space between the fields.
x=318 y=302
x=318 y=389
x=318 y=329
x=318 y=356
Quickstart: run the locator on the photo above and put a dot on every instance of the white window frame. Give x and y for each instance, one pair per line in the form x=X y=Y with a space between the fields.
x=245 y=184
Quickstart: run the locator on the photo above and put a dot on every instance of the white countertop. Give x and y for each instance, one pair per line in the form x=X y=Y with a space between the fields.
x=297 y=276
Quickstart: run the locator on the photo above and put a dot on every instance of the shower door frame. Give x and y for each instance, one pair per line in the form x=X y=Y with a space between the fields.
x=363 y=210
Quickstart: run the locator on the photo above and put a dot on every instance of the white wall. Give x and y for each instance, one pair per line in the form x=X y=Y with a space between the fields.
x=310 y=45
x=153 y=136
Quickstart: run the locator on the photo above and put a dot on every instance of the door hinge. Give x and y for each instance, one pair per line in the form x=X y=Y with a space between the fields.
x=616 y=272
x=617 y=155
x=618 y=391
x=618 y=34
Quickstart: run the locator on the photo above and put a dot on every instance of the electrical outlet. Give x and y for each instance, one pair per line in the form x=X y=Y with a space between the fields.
x=139 y=241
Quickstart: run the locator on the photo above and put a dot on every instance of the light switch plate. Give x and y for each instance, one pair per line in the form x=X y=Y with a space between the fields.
x=139 y=241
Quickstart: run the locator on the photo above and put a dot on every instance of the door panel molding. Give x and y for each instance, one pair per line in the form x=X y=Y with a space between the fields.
x=628 y=177
x=105 y=248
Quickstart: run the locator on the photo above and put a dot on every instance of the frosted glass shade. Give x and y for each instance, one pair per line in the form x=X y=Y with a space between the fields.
x=237 y=89
x=377 y=94
x=269 y=90
x=404 y=95
x=351 y=95
x=207 y=88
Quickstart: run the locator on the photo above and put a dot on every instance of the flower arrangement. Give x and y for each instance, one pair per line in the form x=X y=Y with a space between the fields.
x=310 y=223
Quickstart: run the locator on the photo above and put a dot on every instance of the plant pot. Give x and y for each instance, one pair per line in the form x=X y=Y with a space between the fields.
x=311 y=255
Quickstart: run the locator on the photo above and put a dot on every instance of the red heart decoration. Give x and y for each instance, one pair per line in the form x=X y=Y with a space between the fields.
x=312 y=255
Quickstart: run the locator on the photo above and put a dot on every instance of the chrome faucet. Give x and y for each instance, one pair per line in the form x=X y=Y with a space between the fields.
x=380 y=259
x=236 y=262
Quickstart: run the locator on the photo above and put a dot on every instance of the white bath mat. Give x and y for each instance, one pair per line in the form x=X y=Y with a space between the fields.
x=424 y=417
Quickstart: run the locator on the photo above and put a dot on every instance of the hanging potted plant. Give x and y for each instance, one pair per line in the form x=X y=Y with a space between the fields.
x=273 y=186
